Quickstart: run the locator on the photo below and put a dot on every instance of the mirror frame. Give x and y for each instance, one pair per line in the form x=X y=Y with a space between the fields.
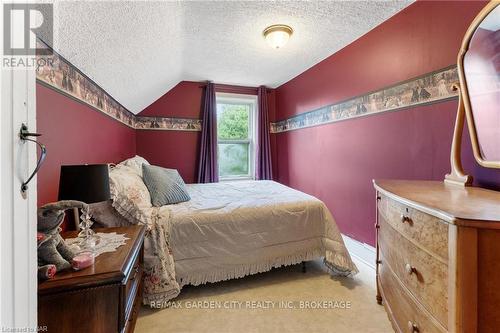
x=457 y=174
x=463 y=85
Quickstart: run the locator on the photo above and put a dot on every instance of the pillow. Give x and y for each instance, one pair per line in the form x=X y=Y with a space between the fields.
x=105 y=216
x=129 y=194
x=135 y=163
x=165 y=186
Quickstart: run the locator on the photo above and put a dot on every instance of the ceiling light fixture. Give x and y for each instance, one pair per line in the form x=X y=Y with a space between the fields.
x=277 y=35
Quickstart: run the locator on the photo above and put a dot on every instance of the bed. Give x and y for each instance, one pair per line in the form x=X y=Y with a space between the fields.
x=227 y=230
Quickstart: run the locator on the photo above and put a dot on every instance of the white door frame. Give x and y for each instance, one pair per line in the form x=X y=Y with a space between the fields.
x=18 y=254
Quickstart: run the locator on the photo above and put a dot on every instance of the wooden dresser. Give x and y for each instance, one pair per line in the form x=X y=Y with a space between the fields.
x=438 y=256
x=101 y=298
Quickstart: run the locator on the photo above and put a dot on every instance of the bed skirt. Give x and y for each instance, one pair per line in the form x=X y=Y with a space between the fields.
x=336 y=264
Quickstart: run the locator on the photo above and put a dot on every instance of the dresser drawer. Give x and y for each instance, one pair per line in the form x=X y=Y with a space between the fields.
x=427 y=231
x=423 y=274
x=407 y=314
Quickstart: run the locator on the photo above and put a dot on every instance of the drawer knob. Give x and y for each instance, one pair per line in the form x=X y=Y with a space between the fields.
x=405 y=218
x=412 y=327
x=410 y=269
x=136 y=270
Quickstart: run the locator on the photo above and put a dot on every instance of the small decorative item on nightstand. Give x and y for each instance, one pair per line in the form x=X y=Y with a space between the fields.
x=102 y=298
x=83 y=260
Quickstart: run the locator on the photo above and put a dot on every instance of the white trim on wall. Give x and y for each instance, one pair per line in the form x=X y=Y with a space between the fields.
x=362 y=251
x=18 y=251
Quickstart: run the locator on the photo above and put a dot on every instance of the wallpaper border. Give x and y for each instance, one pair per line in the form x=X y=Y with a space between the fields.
x=62 y=76
x=426 y=89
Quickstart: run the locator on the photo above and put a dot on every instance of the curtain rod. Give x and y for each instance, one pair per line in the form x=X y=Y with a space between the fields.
x=232 y=87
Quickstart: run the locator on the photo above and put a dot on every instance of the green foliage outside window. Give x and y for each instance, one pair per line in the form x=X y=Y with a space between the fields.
x=233 y=124
x=232 y=121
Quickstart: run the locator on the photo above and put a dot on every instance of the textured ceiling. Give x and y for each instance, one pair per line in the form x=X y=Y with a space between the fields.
x=137 y=51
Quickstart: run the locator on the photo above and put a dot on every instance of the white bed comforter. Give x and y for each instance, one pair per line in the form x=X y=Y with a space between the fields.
x=232 y=229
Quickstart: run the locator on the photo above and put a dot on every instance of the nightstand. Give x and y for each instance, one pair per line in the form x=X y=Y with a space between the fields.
x=102 y=298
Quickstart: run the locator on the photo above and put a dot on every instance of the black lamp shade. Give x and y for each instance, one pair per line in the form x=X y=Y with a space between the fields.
x=88 y=183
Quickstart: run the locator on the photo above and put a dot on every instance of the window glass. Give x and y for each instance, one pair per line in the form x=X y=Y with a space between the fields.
x=233 y=159
x=233 y=121
x=235 y=136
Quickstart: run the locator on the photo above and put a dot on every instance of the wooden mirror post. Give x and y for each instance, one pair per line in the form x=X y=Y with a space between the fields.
x=457 y=175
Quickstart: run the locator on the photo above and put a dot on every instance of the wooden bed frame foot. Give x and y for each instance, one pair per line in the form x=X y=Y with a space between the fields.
x=379 y=299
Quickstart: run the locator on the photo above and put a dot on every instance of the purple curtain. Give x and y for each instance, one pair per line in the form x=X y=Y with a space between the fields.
x=263 y=165
x=207 y=168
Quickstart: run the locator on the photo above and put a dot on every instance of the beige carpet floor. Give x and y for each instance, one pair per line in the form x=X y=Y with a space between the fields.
x=282 y=300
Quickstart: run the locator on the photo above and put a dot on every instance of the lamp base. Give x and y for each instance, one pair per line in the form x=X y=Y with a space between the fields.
x=87 y=241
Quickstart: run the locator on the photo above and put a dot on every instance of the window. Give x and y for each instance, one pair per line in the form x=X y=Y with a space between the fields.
x=235 y=132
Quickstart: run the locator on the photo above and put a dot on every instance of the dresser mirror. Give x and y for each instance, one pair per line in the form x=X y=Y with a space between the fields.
x=479 y=93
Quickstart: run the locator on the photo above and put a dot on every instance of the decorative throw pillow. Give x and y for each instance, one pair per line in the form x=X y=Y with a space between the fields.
x=135 y=163
x=129 y=194
x=165 y=185
x=105 y=216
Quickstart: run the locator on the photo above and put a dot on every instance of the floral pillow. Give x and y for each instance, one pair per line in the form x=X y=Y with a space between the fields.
x=135 y=163
x=130 y=195
x=105 y=216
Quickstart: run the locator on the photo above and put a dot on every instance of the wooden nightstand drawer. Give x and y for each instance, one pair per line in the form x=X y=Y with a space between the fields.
x=82 y=310
x=132 y=284
x=131 y=289
x=101 y=298
x=134 y=310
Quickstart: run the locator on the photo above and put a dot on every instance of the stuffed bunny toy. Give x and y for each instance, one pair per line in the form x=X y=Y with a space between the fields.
x=52 y=250
x=45 y=271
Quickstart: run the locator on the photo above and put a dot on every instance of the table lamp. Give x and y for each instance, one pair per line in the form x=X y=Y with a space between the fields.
x=88 y=183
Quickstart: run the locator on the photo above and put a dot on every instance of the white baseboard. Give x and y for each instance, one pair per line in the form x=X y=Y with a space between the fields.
x=362 y=251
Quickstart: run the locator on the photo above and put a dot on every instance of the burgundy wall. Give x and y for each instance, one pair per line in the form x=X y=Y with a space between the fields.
x=337 y=162
x=174 y=149
x=171 y=149
x=75 y=134
x=179 y=149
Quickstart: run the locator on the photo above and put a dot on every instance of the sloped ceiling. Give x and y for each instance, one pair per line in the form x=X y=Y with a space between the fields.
x=137 y=51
